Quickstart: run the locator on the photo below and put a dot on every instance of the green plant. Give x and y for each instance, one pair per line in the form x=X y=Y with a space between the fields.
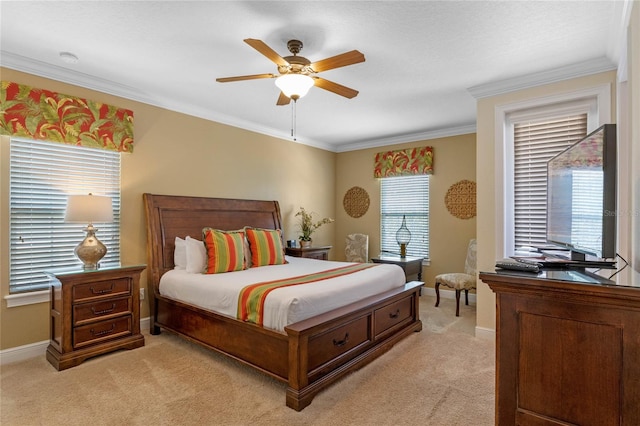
x=307 y=225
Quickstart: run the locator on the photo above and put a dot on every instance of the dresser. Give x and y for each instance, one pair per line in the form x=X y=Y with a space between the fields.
x=320 y=252
x=567 y=349
x=93 y=313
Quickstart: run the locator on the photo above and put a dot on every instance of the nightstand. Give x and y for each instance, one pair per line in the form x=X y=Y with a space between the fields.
x=412 y=266
x=321 y=253
x=93 y=312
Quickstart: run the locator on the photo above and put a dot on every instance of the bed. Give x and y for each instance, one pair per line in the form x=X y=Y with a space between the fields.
x=309 y=354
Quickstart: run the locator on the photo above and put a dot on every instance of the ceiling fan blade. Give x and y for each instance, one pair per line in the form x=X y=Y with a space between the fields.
x=245 y=77
x=283 y=99
x=342 y=60
x=261 y=47
x=335 y=88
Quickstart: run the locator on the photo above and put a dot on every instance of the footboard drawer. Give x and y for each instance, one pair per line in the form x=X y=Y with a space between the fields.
x=391 y=315
x=336 y=342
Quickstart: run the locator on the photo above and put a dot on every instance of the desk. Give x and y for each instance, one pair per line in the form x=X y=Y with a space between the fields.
x=410 y=265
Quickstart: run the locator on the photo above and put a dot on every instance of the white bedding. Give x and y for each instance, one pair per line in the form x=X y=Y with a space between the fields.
x=219 y=292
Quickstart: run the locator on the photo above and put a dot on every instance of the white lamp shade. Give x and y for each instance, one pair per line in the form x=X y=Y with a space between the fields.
x=88 y=209
x=294 y=85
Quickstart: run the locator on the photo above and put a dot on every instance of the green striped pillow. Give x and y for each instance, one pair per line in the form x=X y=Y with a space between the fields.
x=225 y=250
x=266 y=246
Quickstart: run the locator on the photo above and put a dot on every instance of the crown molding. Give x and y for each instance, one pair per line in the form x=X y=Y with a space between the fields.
x=579 y=69
x=413 y=137
x=64 y=75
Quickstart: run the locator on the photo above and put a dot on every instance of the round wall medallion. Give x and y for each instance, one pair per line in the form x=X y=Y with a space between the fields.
x=356 y=202
x=461 y=199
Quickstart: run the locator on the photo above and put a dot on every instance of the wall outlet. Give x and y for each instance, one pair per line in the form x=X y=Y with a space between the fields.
x=142 y=294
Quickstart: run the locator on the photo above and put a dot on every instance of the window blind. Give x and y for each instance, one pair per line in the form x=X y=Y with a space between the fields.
x=535 y=143
x=406 y=196
x=42 y=176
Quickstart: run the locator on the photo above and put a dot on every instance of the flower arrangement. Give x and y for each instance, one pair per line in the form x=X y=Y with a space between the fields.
x=307 y=225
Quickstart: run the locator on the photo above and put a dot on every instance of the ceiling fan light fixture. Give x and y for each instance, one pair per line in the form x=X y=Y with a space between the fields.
x=294 y=86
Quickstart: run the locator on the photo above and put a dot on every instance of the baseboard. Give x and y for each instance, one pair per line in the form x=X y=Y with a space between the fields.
x=448 y=294
x=32 y=350
x=486 y=333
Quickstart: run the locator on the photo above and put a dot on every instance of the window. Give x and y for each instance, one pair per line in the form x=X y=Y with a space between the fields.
x=42 y=175
x=406 y=196
x=534 y=143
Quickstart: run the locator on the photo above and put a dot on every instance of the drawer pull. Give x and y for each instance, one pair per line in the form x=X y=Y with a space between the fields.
x=102 y=291
x=104 y=311
x=341 y=342
x=395 y=314
x=103 y=332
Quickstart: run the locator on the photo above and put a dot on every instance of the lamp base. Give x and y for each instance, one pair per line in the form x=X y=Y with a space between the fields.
x=91 y=249
x=403 y=250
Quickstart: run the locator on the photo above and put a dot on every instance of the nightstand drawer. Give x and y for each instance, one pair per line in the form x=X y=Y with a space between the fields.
x=87 y=312
x=115 y=287
x=100 y=331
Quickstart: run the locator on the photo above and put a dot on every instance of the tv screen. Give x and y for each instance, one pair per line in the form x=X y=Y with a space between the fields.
x=581 y=196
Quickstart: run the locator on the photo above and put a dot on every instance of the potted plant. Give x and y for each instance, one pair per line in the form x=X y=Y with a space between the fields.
x=308 y=226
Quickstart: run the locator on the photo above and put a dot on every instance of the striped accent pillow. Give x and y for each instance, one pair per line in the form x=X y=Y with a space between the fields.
x=225 y=250
x=266 y=246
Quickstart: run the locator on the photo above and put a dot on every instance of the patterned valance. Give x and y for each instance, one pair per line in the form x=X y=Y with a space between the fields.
x=404 y=162
x=41 y=114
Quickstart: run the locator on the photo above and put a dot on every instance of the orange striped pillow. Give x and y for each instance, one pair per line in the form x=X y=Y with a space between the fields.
x=266 y=246
x=225 y=250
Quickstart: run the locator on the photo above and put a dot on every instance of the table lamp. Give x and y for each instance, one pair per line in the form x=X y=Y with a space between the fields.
x=403 y=237
x=89 y=209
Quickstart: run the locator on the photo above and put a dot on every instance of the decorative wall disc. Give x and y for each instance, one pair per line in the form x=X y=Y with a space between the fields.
x=461 y=199
x=356 y=202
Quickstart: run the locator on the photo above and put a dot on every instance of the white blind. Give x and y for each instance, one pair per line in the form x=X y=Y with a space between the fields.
x=42 y=176
x=535 y=143
x=406 y=196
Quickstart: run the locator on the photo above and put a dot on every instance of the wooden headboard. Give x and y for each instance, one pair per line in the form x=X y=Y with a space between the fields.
x=171 y=216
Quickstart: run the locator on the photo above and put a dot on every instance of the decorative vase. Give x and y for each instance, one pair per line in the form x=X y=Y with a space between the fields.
x=305 y=244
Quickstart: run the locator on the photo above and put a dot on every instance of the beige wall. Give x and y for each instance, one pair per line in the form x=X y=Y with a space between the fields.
x=178 y=154
x=454 y=160
x=489 y=193
x=633 y=115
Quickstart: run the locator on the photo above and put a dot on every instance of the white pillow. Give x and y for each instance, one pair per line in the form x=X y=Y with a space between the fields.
x=180 y=254
x=196 y=256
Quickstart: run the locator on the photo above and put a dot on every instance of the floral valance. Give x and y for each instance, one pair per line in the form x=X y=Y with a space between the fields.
x=41 y=114
x=404 y=162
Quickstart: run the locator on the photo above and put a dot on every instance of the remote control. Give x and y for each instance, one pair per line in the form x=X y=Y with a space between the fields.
x=517 y=266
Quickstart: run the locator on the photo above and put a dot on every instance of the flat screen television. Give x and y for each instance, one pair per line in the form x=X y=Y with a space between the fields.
x=581 y=196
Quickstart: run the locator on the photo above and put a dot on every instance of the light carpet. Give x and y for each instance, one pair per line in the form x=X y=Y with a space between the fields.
x=442 y=375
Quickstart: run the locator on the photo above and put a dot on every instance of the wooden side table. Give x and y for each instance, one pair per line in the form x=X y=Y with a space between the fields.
x=412 y=266
x=93 y=313
x=321 y=253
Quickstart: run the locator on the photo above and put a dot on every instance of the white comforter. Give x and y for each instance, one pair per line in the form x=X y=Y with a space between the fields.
x=219 y=292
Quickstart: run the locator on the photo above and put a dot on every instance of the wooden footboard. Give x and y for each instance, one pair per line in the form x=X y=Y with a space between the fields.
x=311 y=354
x=315 y=352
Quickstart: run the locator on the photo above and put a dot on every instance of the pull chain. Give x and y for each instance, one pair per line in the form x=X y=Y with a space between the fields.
x=293 y=120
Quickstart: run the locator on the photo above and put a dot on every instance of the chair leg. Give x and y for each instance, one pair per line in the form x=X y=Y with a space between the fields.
x=437 y=294
x=466 y=296
x=457 y=303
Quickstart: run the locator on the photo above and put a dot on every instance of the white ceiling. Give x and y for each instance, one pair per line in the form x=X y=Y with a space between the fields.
x=426 y=61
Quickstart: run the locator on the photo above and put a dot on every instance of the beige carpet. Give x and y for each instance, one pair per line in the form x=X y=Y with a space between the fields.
x=440 y=376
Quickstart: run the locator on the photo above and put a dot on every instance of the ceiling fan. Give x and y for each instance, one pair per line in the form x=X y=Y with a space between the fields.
x=297 y=74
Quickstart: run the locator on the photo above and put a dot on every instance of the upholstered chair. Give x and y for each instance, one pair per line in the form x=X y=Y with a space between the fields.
x=357 y=249
x=460 y=281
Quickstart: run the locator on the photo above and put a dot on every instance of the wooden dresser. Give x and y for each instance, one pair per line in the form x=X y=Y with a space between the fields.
x=93 y=313
x=567 y=352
